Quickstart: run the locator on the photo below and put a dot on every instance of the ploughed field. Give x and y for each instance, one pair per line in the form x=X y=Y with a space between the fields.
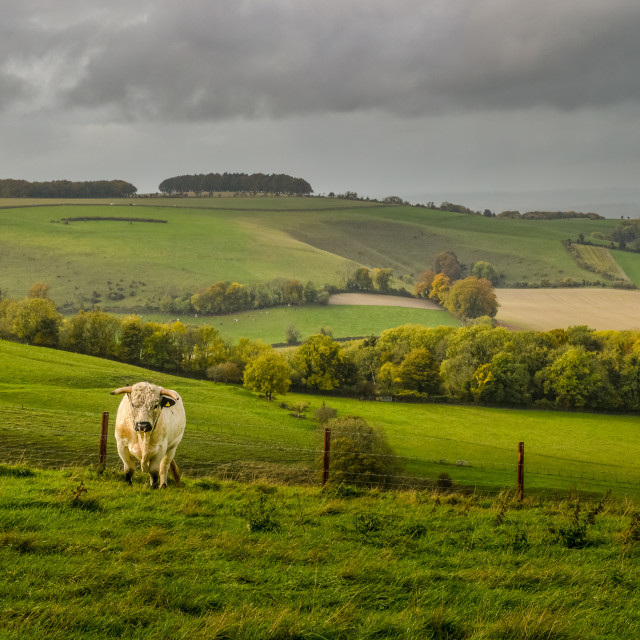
x=545 y=309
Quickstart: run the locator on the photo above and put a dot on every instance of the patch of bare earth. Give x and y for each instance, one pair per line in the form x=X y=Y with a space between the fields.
x=545 y=309
x=382 y=301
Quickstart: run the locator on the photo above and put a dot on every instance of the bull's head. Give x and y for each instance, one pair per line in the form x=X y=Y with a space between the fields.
x=147 y=401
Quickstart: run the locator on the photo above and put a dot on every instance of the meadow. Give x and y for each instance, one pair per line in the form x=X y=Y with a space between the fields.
x=84 y=556
x=53 y=403
x=342 y=321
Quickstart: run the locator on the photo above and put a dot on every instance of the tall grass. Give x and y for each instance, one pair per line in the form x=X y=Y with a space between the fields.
x=84 y=556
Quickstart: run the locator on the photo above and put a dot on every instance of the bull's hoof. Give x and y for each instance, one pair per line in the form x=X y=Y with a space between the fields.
x=128 y=479
x=163 y=486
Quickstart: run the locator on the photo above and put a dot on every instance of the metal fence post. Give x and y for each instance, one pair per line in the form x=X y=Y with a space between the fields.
x=326 y=456
x=102 y=456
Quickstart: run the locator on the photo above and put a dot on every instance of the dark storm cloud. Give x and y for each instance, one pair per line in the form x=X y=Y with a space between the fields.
x=208 y=60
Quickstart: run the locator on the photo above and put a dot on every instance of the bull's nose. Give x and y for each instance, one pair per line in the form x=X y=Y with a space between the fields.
x=143 y=426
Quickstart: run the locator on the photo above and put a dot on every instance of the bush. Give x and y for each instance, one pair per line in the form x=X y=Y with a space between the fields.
x=360 y=454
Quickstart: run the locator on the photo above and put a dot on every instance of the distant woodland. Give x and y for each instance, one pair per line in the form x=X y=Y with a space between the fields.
x=66 y=189
x=276 y=183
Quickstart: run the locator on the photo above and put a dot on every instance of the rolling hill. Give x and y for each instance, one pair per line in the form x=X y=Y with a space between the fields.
x=250 y=240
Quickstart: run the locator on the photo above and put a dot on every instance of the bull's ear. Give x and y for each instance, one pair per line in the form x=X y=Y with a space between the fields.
x=166 y=401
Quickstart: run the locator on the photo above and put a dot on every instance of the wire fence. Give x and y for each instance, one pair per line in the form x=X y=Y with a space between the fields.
x=294 y=454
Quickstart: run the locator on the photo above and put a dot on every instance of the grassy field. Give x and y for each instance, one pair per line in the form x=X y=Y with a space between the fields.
x=630 y=263
x=257 y=239
x=270 y=325
x=53 y=402
x=545 y=309
x=83 y=556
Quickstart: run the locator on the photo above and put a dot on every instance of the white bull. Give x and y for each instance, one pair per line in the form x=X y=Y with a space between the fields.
x=149 y=426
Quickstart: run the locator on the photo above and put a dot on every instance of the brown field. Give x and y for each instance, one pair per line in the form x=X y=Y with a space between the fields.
x=544 y=309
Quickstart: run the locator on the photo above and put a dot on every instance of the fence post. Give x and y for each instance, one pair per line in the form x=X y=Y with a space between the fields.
x=102 y=457
x=520 y=470
x=325 y=455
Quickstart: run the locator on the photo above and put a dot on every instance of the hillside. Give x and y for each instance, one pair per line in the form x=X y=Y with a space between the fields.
x=53 y=402
x=130 y=266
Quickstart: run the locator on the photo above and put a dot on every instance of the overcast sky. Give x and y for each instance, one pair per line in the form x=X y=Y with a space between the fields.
x=415 y=98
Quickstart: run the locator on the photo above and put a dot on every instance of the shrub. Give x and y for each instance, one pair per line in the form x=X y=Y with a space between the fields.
x=360 y=454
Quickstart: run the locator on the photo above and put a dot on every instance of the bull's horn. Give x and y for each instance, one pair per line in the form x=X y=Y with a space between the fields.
x=170 y=393
x=115 y=392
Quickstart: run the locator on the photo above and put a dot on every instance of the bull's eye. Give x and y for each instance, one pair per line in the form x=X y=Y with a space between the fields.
x=157 y=405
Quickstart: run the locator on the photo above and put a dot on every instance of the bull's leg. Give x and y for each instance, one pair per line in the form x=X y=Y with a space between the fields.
x=129 y=462
x=167 y=461
x=155 y=472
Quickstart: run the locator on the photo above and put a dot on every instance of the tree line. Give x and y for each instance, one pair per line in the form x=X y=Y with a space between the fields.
x=225 y=297
x=576 y=368
x=66 y=189
x=276 y=183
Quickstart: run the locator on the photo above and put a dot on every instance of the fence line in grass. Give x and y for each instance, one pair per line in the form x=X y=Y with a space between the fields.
x=309 y=462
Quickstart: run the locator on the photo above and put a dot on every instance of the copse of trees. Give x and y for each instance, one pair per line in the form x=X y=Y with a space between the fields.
x=66 y=189
x=209 y=183
x=471 y=297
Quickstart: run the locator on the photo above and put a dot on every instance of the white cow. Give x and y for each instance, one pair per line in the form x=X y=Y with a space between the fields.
x=149 y=426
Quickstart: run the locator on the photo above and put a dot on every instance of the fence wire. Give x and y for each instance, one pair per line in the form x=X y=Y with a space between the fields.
x=285 y=453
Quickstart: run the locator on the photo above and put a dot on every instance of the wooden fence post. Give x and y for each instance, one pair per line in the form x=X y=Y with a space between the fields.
x=102 y=457
x=520 y=471
x=326 y=456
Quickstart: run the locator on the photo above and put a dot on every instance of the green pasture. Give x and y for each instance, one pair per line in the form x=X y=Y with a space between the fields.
x=84 y=556
x=343 y=321
x=630 y=264
x=53 y=402
x=130 y=266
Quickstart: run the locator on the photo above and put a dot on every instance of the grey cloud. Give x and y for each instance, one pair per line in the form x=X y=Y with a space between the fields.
x=199 y=60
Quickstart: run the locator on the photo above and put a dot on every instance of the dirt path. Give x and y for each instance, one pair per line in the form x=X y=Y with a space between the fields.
x=373 y=299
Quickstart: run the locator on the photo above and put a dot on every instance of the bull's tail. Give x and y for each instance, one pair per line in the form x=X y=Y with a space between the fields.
x=175 y=472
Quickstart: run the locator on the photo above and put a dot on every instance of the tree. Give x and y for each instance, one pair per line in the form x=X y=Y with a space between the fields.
x=447 y=263
x=100 y=335
x=268 y=374
x=501 y=381
x=419 y=372
x=361 y=280
x=575 y=380
x=132 y=335
x=39 y=290
x=483 y=269
x=440 y=288
x=424 y=283
x=472 y=298
x=293 y=292
x=36 y=321
x=382 y=279
x=321 y=363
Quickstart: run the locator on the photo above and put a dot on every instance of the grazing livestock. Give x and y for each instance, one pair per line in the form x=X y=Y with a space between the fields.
x=149 y=426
